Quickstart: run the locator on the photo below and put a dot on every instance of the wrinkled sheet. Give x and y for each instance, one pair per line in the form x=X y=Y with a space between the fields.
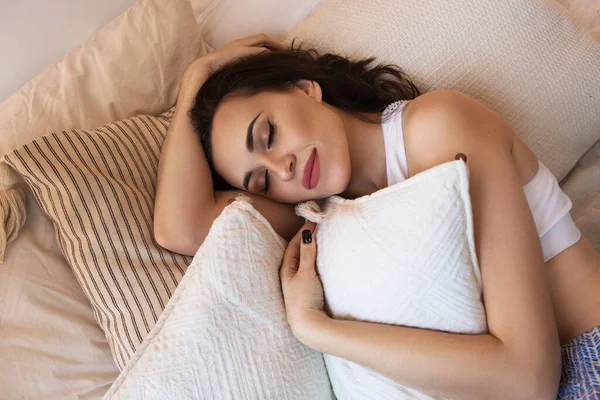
x=50 y=344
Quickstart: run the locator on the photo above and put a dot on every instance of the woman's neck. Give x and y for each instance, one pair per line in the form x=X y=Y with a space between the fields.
x=367 y=155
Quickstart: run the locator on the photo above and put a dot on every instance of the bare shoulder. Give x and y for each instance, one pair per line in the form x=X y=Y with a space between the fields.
x=439 y=124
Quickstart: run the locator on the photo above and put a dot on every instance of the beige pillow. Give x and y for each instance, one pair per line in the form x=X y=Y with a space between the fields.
x=130 y=66
x=97 y=187
x=523 y=58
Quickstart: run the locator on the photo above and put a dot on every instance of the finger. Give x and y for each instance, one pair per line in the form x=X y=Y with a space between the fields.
x=242 y=52
x=291 y=257
x=298 y=237
x=308 y=251
x=250 y=51
x=307 y=225
x=289 y=266
x=260 y=40
x=273 y=45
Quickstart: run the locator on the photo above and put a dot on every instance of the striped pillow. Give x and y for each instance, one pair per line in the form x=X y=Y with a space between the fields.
x=98 y=189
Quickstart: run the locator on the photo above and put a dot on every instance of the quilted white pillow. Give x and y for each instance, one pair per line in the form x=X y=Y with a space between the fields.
x=404 y=255
x=224 y=333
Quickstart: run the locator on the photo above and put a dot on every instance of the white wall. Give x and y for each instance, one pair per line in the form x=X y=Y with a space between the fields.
x=37 y=33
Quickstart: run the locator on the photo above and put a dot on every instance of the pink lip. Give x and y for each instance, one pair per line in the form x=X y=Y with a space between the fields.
x=311 y=171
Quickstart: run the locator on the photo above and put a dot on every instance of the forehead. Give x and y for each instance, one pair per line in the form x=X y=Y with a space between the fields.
x=232 y=118
x=240 y=107
x=230 y=126
x=235 y=113
x=237 y=110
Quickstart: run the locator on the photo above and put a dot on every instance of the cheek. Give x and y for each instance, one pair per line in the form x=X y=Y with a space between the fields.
x=336 y=160
x=338 y=170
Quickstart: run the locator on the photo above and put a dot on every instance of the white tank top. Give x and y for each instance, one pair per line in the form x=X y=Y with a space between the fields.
x=393 y=137
x=548 y=203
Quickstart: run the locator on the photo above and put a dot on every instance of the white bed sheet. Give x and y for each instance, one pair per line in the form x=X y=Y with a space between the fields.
x=50 y=344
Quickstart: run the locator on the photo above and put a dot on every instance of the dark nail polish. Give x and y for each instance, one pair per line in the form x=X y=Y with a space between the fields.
x=307 y=236
x=461 y=156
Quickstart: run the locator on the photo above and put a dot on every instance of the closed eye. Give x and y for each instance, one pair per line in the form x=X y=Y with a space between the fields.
x=267 y=183
x=271 y=135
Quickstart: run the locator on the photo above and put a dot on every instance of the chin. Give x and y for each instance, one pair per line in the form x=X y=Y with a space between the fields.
x=339 y=184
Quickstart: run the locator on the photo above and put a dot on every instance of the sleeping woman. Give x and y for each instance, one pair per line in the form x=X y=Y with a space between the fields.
x=285 y=126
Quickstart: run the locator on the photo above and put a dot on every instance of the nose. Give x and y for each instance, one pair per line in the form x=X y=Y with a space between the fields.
x=283 y=167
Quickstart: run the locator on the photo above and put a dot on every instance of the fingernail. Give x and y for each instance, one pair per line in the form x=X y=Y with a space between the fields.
x=461 y=156
x=307 y=236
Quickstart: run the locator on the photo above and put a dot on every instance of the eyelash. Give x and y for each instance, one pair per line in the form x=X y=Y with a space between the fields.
x=269 y=144
x=266 y=182
x=271 y=135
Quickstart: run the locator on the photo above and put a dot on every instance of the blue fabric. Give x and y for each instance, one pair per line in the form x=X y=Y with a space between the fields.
x=581 y=367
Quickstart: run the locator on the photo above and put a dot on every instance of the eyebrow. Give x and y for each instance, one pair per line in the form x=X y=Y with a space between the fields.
x=249 y=138
x=250 y=147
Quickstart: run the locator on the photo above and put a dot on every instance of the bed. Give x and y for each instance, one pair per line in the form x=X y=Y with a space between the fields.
x=51 y=346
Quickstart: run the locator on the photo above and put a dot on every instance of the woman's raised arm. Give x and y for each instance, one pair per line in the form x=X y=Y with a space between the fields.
x=186 y=204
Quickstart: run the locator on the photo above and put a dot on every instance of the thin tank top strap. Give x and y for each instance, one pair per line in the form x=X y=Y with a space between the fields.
x=395 y=150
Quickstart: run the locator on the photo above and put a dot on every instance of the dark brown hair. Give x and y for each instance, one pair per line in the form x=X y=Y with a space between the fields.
x=349 y=85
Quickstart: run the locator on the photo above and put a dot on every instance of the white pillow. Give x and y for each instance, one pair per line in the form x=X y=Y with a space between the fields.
x=224 y=333
x=404 y=255
x=522 y=58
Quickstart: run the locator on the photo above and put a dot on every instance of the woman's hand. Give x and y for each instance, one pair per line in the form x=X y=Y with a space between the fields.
x=239 y=48
x=302 y=288
x=231 y=51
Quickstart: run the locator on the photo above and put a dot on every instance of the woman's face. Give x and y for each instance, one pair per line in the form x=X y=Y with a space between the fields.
x=288 y=146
